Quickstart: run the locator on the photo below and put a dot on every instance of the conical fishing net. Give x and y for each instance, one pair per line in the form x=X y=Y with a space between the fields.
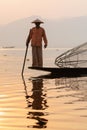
x=76 y=57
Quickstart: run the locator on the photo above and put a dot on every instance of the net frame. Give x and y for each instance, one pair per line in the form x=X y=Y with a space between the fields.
x=73 y=57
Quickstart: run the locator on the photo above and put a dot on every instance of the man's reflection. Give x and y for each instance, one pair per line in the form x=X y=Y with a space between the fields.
x=38 y=95
x=37 y=101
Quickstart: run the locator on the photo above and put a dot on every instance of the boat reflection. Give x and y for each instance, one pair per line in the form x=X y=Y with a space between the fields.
x=37 y=101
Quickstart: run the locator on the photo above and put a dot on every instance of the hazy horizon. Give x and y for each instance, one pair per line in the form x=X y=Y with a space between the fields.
x=60 y=33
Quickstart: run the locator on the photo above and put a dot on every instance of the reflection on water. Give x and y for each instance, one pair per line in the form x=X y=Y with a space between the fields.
x=77 y=85
x=70 y=91
x=36 y=101
x=51 y=104
x=72 y=83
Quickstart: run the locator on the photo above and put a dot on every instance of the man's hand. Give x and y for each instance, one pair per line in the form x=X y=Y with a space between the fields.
x=45 y=46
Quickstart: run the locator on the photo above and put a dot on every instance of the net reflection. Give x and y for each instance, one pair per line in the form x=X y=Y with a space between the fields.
x=75 y=83
x=75 y=88
x=37 y=101
x=72 y=83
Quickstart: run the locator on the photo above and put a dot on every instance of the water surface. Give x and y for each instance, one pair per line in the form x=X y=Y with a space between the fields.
x=31 y=103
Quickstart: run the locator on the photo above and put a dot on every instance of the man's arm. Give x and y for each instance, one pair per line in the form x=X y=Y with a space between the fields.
x=45 y=39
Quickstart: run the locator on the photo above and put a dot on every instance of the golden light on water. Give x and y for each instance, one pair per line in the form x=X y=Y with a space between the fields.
x=1 y=113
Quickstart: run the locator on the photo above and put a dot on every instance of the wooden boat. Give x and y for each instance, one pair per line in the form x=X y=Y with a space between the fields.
x=62 y=72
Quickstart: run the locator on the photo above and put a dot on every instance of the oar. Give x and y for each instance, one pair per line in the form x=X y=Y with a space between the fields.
x=24 y=60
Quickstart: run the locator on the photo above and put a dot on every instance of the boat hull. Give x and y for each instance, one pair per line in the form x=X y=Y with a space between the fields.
x=63 y=72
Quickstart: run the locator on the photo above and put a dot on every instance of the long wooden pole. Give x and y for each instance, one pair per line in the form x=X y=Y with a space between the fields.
x=24 y=60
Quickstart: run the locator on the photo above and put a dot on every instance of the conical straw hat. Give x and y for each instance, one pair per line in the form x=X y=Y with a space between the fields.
x=37 y=21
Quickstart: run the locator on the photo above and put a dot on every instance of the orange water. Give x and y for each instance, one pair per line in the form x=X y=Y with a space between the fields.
x=31 y=103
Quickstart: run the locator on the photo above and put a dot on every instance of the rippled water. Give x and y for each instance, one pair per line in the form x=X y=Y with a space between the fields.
x=31 y=103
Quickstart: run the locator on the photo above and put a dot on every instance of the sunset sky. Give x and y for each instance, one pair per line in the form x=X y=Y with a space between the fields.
x=11 y=10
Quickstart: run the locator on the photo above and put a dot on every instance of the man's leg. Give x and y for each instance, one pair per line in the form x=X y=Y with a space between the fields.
x=34 y=57
x=40 y=56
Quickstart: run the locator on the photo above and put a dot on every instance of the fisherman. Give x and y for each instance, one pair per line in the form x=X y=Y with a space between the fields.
x=36 y=35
